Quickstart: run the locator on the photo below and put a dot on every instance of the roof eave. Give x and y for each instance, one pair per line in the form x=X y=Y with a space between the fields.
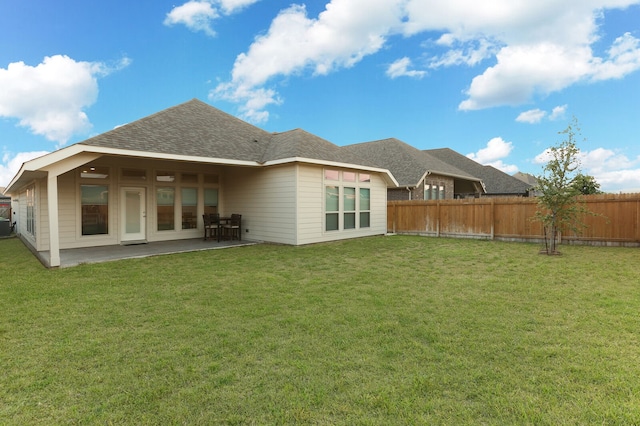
x=390 y=179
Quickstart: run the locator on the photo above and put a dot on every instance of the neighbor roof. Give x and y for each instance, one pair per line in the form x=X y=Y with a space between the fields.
x=408 y=164
x=495 y=181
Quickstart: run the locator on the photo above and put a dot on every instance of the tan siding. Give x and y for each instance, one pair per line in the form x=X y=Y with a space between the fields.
x=266 y=198
x=378 y=205
x=67 y=207
x=42 y=216
x=311 y=204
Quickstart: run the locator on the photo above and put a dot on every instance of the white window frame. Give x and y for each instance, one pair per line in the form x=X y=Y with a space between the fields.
x=354 y=180
x=30 y=204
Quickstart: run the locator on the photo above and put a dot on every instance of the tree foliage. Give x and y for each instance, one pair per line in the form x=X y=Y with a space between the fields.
x=558 y=206
x=586 y=184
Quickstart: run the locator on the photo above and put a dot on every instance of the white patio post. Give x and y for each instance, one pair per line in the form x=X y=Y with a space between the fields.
x=54 y=234
x=53 y=171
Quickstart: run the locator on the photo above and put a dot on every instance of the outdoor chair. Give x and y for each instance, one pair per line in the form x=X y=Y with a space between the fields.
x=233 y=227
x=211 y=225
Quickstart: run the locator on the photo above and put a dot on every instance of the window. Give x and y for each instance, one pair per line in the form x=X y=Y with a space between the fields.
x=95 y=209
x=31 y=214
x=349 y=203
x=365 y=207
x=182 y=197
x=347 y=200
x=332 y=202
x=165 y=201
x=94 y=172
x=189 y=208
x=137 y=175
x=331 y=175
x=189 y=178
x=210 y=200
x=162 y=176
x=434 y=192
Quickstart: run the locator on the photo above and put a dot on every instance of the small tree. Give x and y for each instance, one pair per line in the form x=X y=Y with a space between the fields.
x=558 y=207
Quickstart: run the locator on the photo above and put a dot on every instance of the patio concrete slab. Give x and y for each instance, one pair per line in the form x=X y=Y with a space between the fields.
x=74 y=257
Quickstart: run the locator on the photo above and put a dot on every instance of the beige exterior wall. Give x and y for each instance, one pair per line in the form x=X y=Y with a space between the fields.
x=279 y=204
x=311 y=209
x=266 y=198
x=285 y=204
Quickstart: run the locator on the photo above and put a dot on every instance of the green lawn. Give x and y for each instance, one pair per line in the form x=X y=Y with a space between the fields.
x=374 y=331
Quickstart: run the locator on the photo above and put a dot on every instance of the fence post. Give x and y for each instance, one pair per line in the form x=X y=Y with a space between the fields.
x=395 y=216
x=638 y=220
x=493 y=218
x=438 y=219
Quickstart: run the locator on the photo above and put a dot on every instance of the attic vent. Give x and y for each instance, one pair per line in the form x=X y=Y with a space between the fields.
x=255 y=140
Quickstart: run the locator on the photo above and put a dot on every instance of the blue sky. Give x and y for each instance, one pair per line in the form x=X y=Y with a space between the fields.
x=495 y=80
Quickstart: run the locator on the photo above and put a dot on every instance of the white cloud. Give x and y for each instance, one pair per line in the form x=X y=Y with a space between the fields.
x=198 y=15
x=532 y=116
x=50 y=98
x=468 y=53
x=614 y=171
x=195 y=15
x=496 y=150
x=400 y=68
x=525 y=71
x=11 y=164
x=339 y=38
x=623 y=58
x=536 y=48
x=558 y=112
x=231 y=6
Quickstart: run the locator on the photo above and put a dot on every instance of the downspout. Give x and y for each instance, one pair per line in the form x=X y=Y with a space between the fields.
x=408 y=188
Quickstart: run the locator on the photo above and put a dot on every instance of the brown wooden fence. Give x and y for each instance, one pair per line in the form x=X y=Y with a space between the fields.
x=617 y=219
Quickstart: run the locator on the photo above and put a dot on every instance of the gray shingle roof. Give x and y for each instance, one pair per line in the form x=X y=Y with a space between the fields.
x=529 y=179
x=407 y=164
x=495 y=181
x=197 y=129
x=192 y=128
x=302 y=144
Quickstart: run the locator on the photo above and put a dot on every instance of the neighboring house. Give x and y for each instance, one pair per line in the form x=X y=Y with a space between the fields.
x=5 y=214
x=530 y=180
x=420 y=175
x=496 y=182
x=153 y=179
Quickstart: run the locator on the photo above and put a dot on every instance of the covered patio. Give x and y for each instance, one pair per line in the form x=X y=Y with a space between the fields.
x=74 y=257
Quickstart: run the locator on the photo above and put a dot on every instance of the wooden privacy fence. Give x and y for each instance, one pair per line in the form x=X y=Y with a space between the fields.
x=617 y=219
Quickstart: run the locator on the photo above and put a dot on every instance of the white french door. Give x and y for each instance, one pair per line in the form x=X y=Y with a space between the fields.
x=133 y=216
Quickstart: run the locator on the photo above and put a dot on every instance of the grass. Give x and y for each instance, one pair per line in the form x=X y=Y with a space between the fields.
x=374 y=331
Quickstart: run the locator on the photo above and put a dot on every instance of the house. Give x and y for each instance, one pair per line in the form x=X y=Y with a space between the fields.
x=5 y=214
x=420 y=175
x=496 y=182
x=153 y=179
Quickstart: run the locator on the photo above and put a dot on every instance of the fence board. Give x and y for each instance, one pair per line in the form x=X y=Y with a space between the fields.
x=616 y=220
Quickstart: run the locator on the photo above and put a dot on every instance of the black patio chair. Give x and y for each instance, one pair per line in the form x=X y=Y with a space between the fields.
x=211 y=225
x=233 y=227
